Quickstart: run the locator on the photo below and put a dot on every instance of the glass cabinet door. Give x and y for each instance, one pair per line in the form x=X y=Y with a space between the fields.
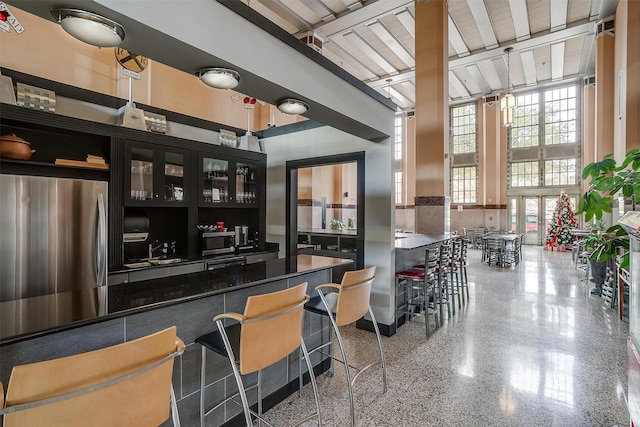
x=246 y=187
x=141 y=174
x=215 y=179
x=173 y=177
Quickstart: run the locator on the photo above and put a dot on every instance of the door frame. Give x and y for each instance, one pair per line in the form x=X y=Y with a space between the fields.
x=521 y=215
x=292 y=166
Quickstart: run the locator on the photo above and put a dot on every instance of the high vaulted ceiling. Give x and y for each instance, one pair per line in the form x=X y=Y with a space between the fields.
x=553 y=41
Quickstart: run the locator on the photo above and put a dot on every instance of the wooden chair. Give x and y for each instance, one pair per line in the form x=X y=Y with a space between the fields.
x=269 y=330
x=124 y=385
x=344 y=304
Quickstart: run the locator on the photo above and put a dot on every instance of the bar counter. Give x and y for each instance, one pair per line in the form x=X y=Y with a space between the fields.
x=30 y=317
x=410 y=247
x=53 y=326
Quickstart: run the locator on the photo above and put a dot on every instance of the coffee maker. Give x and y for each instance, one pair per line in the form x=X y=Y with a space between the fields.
x=242 y=237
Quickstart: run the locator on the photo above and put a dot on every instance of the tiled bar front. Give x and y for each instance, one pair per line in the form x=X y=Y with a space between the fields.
x=192 y=318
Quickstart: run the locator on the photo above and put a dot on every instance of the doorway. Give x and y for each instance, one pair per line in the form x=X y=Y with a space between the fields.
x=531 y=216
x=311 y=212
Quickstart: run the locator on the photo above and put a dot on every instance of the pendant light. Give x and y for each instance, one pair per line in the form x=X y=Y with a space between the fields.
x=508 y=101
x=292 y=106
x=89 y=27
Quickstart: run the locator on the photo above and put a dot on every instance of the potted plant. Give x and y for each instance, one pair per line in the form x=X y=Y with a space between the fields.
x=336 y=224
x=607 y=179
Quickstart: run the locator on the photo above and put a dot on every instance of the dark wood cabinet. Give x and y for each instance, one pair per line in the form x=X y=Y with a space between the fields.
x=156 y=175
x=161 y=176
x=228 y=181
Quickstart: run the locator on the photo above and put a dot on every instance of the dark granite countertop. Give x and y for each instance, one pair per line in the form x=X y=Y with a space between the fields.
x=31 y=317
x=185 y=261
x=342 y=232
x=414 y=240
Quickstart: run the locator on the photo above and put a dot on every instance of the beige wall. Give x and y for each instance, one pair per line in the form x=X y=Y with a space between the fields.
x=55 y=55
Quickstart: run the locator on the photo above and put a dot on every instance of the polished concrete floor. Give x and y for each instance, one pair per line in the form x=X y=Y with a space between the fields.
x=531 y=348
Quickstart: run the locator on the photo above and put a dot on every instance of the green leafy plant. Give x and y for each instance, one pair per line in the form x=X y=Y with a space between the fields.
x=607 y=179
x=336 y=224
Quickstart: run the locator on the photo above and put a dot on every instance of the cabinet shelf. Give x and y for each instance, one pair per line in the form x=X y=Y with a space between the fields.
x=22 y=167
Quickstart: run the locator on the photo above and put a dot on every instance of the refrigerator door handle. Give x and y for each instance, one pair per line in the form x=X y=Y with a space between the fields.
x=101 y=242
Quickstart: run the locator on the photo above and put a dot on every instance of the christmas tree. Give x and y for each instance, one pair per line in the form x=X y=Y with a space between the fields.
x=561 y=224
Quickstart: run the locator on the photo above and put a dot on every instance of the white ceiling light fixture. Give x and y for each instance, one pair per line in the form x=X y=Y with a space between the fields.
x=292 y=106
x=219 y=78
x=89 y=27
x=508 y=101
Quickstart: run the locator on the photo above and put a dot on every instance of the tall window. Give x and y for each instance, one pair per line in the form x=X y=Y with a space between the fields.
x=525 y=174
x=463 y=129
x=560 y=172
x=560 y=116
x=398 y=148
x=544 y=140
x=524 y=132
x=398 y=187
x=399 y=140
x=463 y=184
x=464 y=151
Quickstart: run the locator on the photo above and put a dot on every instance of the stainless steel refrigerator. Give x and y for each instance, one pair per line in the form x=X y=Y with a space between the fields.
x=53 y=236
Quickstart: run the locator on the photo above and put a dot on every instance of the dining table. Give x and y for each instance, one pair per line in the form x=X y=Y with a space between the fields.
x=501 y=248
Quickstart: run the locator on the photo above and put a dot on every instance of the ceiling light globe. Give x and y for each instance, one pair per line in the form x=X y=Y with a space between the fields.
x=219 y=78
x=292 y=106
x=90 y=28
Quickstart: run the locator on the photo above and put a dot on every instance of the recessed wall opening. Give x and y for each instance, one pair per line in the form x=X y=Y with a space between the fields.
x=325 y=201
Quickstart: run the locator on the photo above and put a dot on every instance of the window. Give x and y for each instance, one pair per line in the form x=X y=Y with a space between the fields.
x=463 y=184
x=525 y=174
x=560 y=172
x=525 y=129
x=398 y=187
x=398 y=148
x=560 y=116
x=464 y=154
x=463 y=129
x=544 y=142
x=399 y=140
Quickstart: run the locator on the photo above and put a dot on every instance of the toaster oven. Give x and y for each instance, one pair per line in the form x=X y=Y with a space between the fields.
x=216 y=242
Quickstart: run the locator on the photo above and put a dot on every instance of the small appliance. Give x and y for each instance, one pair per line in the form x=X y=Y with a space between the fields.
x=212 y=242
x=242 y=238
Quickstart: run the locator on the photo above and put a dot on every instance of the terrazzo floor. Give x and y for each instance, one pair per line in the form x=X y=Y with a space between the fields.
x=531 y=348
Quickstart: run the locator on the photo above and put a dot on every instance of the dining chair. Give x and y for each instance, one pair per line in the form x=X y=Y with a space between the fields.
x=269 y=330
x=123 y=385
x=495 y=249
x=344 y=304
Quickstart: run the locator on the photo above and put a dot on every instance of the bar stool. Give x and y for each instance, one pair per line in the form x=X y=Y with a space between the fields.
x=418 y=287
x=269 y=330
x=123 y=385
x=453 y=290
x=442 y=279
x=344 y=307
x=462 y=266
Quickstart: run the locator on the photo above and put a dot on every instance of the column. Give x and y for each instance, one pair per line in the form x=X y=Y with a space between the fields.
x=605 y=81
x=432 y=118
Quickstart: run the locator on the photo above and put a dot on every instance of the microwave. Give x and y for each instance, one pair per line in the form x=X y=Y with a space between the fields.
x=216 y=242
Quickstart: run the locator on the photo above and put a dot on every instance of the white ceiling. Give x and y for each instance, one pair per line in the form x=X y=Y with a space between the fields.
x=553 y=41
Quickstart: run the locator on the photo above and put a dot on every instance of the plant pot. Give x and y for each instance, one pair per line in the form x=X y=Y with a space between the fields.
x=598 y=272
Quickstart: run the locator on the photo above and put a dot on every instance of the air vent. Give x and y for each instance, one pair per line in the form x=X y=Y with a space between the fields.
x=606 y=26
x=312 y=41
x=491 y=99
